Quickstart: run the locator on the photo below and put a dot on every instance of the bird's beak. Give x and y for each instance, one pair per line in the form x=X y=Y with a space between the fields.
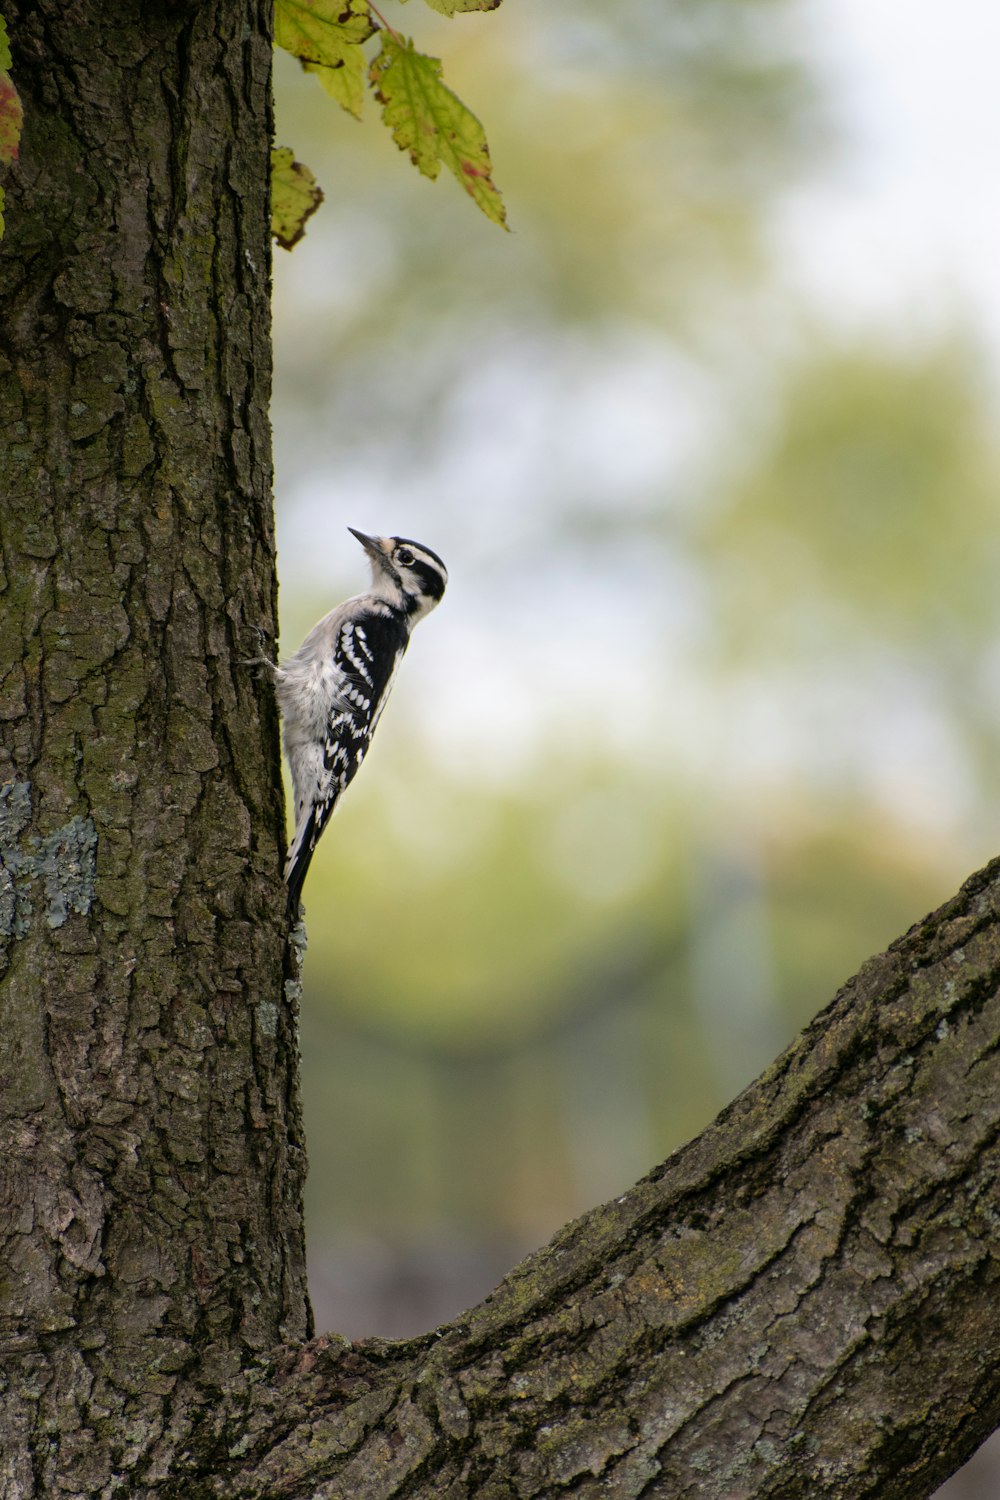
x=372 y=545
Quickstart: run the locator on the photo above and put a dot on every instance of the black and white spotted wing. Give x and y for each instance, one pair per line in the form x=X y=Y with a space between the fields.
x=366 y=654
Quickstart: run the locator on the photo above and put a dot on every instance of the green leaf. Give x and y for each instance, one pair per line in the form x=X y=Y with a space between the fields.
x=5 y=61
x=432 y=123
x=327 y=36
x=319 y=30
x=450 y=7
x=295 y=195
x=345 y=81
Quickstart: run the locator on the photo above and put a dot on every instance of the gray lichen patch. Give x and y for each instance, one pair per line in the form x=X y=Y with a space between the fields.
x=267 y=1018
x=67 y=861
x=297 y=941
x=15 y=909
x=15 y=812
x=15 y=904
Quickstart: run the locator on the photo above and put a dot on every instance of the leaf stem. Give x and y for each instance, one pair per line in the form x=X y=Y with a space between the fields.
x=384 y=23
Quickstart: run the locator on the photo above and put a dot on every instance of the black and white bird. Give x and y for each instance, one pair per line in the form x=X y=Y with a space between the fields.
x=331 y=693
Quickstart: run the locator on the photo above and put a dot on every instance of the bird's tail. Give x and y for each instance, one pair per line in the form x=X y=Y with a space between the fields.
x=300 y=854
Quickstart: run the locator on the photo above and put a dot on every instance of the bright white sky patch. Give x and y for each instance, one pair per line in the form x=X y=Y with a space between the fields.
x=907 y=224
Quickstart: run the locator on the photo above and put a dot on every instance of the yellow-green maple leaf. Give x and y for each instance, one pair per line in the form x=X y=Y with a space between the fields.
x=295 y=194
x=345 y=81
x=432 y=123
x=327 y=36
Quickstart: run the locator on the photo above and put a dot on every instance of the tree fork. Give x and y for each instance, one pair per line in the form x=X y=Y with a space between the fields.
x=800 y=1302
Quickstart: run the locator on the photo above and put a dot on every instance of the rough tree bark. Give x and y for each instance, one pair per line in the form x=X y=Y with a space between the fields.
x=802 y=1302
x=152 y=1155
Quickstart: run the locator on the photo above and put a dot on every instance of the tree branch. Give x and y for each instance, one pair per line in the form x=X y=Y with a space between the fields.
x=801 y=1301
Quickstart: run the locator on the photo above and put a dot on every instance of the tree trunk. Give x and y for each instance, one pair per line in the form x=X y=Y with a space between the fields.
x=152 y=1154
x=802 y=1302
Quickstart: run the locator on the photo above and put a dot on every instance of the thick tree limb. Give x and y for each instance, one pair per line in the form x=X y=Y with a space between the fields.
x=801 y=1302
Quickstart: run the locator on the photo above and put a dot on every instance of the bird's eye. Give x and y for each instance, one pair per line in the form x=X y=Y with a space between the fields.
x=405 y=557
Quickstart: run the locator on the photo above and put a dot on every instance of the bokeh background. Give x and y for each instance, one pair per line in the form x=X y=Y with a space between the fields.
x=711 y=710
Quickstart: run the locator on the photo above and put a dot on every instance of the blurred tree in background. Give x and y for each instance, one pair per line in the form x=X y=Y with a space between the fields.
x=709 y=714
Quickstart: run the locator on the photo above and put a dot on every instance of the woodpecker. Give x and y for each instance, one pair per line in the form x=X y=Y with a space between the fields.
x=331 y=693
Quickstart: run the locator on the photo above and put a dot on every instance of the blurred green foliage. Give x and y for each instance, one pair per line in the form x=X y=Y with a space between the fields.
x=714 y=713
x=877 y=494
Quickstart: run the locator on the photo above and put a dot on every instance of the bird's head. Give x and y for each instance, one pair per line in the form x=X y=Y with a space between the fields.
x=405 y=574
